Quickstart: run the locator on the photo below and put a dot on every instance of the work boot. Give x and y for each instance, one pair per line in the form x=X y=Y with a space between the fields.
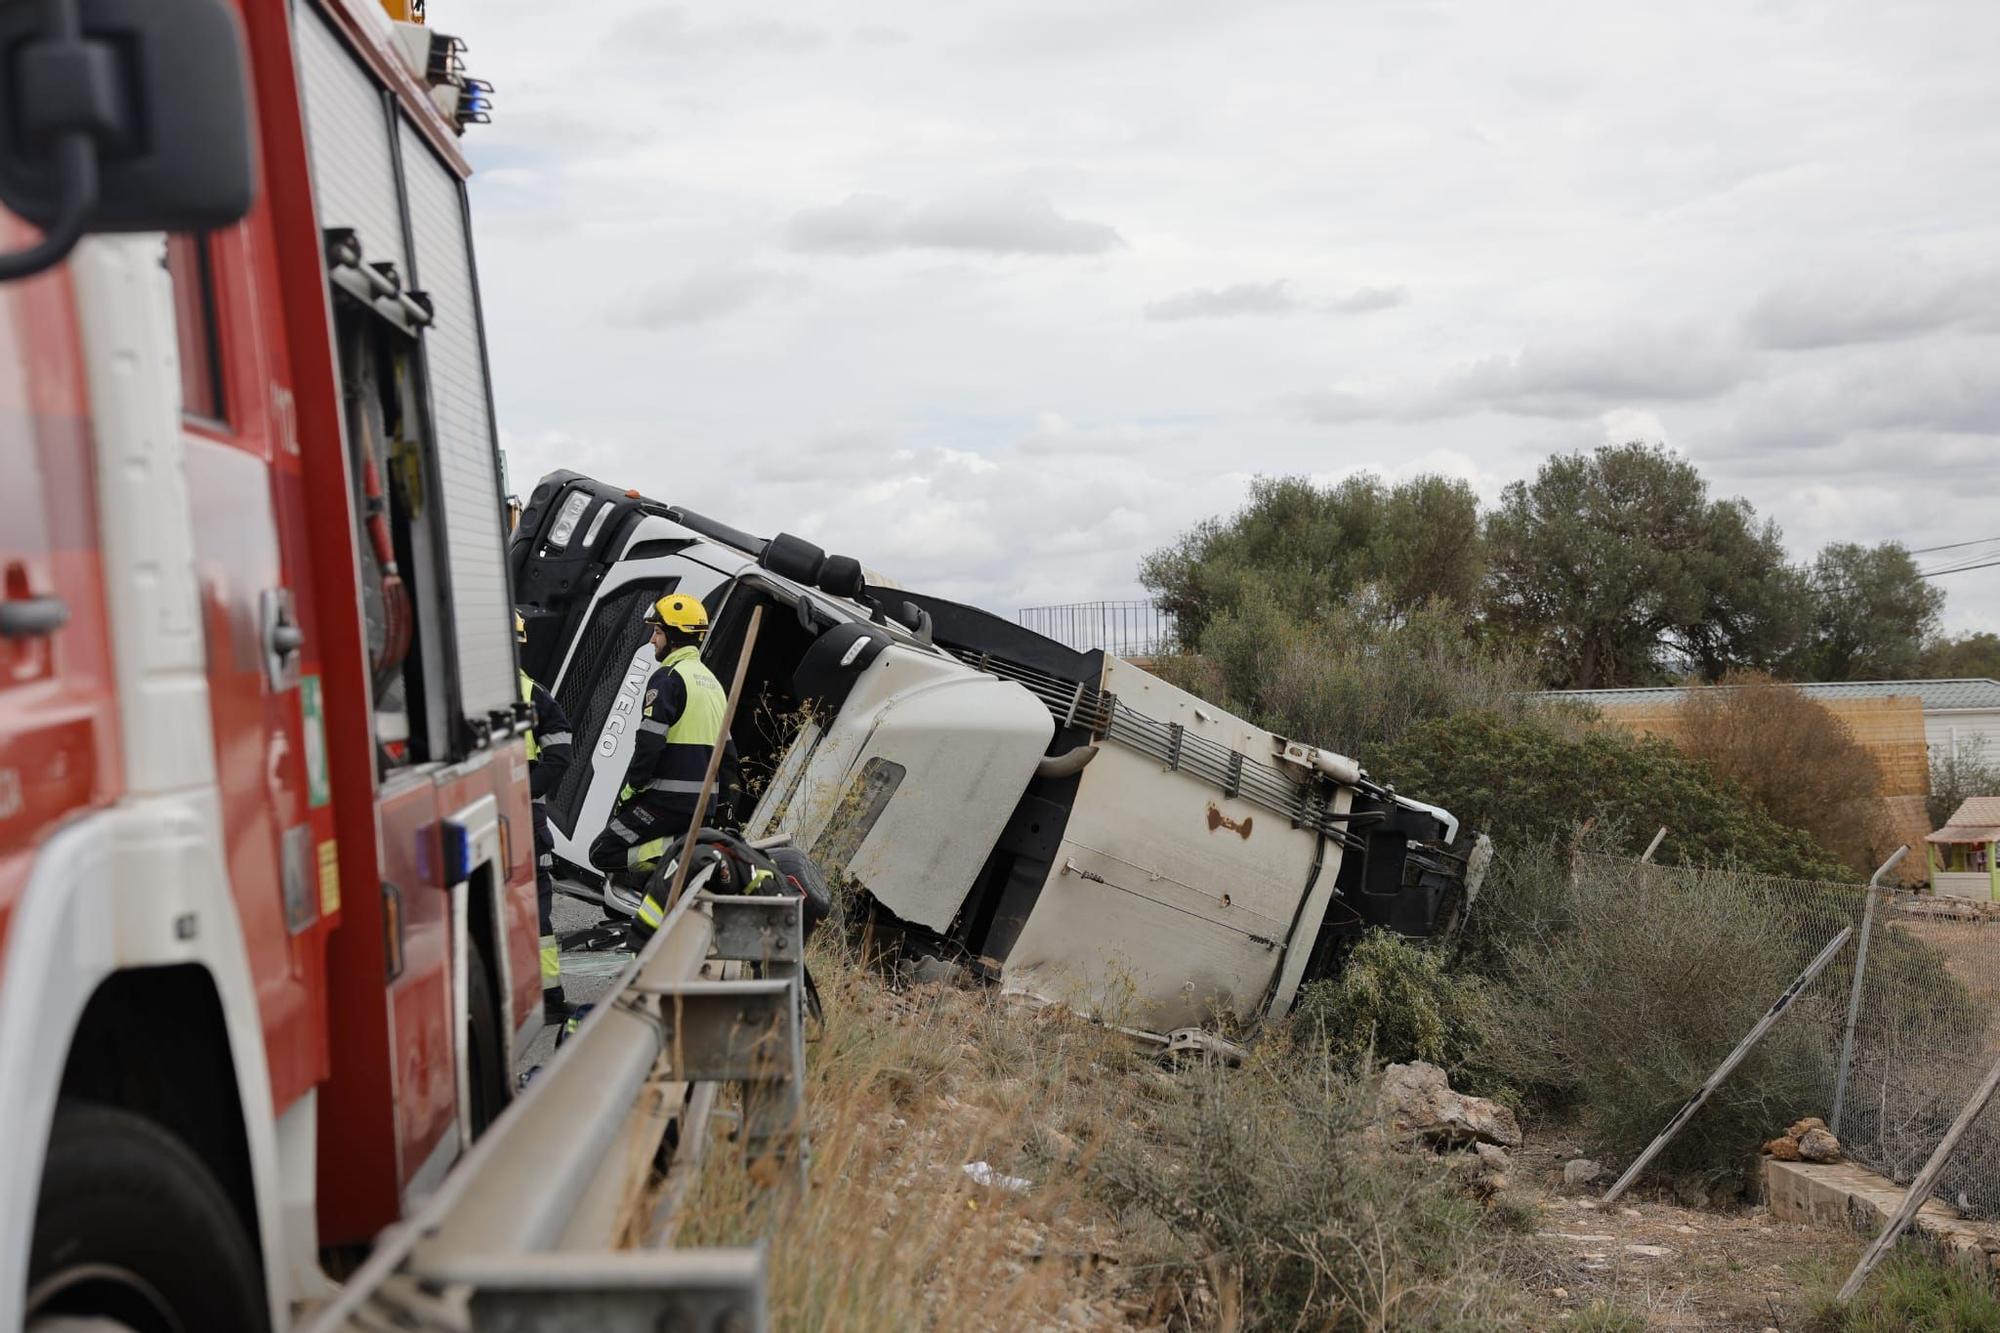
x=555 y=1005
x=572 y=1023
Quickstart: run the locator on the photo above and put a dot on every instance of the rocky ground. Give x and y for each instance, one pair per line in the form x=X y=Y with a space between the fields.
x=926 y=1094
x=1674 y=1266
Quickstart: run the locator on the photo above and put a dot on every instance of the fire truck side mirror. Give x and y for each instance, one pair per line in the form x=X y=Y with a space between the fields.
x=121 y=115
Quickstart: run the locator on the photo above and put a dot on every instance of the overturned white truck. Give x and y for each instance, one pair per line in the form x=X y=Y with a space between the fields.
x=1062 y=822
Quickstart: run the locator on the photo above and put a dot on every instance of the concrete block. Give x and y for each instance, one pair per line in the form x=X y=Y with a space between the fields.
x=1844 y=1194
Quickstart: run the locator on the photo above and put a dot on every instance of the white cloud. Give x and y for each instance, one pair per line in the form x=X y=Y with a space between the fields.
x=666 y=31
x=1570 y=377
x=1053 y=435
x=1245 y=298
x=1875 y=300
x=704 y=296
x=1268 y=298
x=1625 y=425
x=1699 y=235
x=1362 y=300
x=990 y=222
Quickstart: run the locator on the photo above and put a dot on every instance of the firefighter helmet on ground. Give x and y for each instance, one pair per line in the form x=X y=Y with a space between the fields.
x=678 y=611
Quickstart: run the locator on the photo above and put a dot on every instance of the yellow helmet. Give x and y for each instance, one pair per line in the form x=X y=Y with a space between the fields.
x=679 y=611
x=520 y=629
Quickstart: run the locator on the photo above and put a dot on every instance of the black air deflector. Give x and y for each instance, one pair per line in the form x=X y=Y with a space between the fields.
x=827 y=671
x=969 y=631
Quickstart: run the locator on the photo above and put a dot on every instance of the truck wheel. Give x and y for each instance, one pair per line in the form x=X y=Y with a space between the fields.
x=485 y=1051
x=132 y=1229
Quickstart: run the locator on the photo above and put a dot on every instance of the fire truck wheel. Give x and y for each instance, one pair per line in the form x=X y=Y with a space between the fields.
x=488 y=1074
x=132 y=1229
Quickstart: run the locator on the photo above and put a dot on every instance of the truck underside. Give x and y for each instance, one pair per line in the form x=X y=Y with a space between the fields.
x=1064 y=823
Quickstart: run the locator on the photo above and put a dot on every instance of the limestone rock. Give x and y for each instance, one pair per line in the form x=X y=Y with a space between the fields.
x=1417 y=1099
x=1785 y=1148
x=1580 y=1171
x=1799 y=1128
x=1819 y=1145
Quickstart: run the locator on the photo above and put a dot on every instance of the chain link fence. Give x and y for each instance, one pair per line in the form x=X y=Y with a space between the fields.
x=1918 y=1034
x=1126 y=629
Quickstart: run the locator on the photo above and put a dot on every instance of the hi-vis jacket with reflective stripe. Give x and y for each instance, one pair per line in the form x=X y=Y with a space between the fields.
x=681 y=721
x=548 y=740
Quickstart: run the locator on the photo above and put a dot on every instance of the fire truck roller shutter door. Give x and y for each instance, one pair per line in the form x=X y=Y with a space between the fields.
x=347 y=132
x=462 y=422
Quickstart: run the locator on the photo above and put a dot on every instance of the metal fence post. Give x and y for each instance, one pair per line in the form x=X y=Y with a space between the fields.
x=1722 y=1071
x=1875 y=891
x=1920 y=1188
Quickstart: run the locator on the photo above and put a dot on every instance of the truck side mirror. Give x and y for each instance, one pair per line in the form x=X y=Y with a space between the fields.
x=120 y=115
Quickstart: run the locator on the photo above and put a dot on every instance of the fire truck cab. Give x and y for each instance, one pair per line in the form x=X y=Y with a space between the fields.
x=267 y=916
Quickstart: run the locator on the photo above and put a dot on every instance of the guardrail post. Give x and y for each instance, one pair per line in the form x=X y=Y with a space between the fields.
x=769 y=931
x=751 y=1032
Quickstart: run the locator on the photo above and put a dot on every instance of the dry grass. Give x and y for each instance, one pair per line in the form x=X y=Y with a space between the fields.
x=904 y=1090
x=1196 y=1198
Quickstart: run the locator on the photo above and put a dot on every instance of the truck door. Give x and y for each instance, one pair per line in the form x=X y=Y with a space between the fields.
x=912 y=780
x=263 y=657
x=56 y=713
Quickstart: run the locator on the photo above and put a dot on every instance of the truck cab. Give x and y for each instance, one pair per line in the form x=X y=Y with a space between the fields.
x=1065 y=823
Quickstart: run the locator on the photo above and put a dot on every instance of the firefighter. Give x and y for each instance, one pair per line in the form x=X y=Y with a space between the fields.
x=549 y=744
x=681 y=720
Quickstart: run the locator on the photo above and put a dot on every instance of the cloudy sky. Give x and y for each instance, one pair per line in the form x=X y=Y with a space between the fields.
x=999 y=296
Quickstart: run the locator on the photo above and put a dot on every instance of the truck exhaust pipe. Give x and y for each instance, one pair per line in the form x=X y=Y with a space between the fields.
x=1066 y=764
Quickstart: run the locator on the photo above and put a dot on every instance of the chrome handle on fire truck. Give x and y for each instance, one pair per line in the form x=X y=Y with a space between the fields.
x=283 y=637
x=32 y=617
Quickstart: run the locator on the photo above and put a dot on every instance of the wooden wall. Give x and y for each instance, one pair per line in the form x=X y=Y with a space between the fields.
x=1892 y=730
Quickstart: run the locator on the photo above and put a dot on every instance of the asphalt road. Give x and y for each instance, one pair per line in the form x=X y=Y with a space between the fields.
x=586 y=976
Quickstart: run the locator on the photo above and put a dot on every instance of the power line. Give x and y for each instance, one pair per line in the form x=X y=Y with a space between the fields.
x=1956 y=569
x=1922 y=574
x=1950 y=546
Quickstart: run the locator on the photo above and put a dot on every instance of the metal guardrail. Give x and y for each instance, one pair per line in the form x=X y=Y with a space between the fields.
x=525 y=1233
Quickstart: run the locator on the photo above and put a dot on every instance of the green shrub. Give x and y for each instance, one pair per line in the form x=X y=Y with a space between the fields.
x=1526 y=903
x=1909 y=1291
x=1399 y=1002
x=1526 y=782
x=1629 y=1007
x=1270 y=1182
x=1352 y=680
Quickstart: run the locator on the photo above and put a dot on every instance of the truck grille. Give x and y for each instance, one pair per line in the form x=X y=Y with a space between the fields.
x=589 y=684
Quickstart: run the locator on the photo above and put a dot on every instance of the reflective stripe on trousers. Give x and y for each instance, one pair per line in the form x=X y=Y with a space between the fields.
x=528 y=733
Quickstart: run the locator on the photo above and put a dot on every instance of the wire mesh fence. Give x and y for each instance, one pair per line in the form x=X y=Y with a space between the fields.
x=1128 y=629
x=1919 y=1033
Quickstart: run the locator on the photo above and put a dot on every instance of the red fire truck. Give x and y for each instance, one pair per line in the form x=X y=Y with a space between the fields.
x=267 y=917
